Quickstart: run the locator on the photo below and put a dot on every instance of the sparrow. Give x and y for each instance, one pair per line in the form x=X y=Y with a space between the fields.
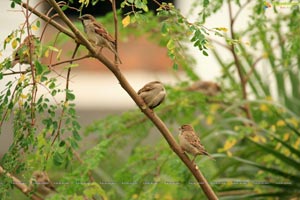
x=207 y=88
x=26 y=52
x=153 y=94
x=190 y=142
x=41 y=183
x=97 y=34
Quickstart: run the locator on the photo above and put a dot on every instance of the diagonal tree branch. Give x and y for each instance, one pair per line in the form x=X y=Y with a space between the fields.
x=19 y=184
x=137 y=99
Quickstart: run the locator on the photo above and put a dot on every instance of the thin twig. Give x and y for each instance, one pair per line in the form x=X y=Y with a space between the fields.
x=66 y=98
x=81 y=162
x=238 y=64
x=116 y=28
x=240 y=10
x=220 y=44
x=13 y=72
x=67 y=61
x=247 y=77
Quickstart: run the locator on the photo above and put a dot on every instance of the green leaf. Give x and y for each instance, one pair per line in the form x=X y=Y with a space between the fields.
x=62 y=143
x=138 y=4
x=164 y=29
x=10 y=105
x=277 y=154
x=76 y=135
x=205 y=53
x=58 y=159
x=52 y=85
x=205 y=3
x=38 y=23
x=291 y=148
x=171 y=44
x=64 y=7
x=12 y=5
x=95 y=189
x=70 y=96
x=54 y=92
x=274 y=171
x=40 y=68
x=145 y=8
x=175 y=66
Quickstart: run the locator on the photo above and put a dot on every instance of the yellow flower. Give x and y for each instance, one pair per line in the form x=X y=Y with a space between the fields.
x=34 y=28
x=14 y=43
x=168 y=197
x=20 y=102
x=280 y=123
x=21 y=79
x=229 y=183
x=286 y=152
x=293 y=121
x=209 y=120
x=286 y=136
x=156 y=196
x=269 y=98
x=263 y=107
x=24 y=96
x=278 y=146
x=297 y=143
x=265 y=55
x=224 y=29
x=214 y=108
x=46 y=54
x=236 y=128
x=229 y=144
x=273 y=128
x=247 y=43
x=229 y=153
x=259 y=138
x=84 y=2
x=126 y=21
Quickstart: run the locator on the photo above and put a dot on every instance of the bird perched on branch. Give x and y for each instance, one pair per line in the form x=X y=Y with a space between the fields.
x=153 y=94
x=26 y=53
x=190 y=142
x=41 y=183
x=97 y=34
x=205 y=87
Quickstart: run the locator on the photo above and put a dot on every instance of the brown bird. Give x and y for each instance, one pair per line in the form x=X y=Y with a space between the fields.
x=205 y=87
x=97 y=34
x=153 y=94
x=26 y=52
x=41 y=183
x=190 y=142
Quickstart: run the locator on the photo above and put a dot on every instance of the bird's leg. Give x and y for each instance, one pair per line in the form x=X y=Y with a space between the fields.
x=99 y=50
x=183 y=151
x=194 y=158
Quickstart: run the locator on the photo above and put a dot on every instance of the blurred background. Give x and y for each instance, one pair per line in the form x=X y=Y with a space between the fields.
x=249 y=48
x=98 y=92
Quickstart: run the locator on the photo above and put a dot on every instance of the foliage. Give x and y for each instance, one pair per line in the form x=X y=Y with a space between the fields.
x=251 y=128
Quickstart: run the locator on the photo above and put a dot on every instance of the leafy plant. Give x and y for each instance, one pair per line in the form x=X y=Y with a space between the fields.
x=251 y=127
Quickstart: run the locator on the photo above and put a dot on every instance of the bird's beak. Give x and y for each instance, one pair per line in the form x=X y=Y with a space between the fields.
x=80 y=18
x=180 y=128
